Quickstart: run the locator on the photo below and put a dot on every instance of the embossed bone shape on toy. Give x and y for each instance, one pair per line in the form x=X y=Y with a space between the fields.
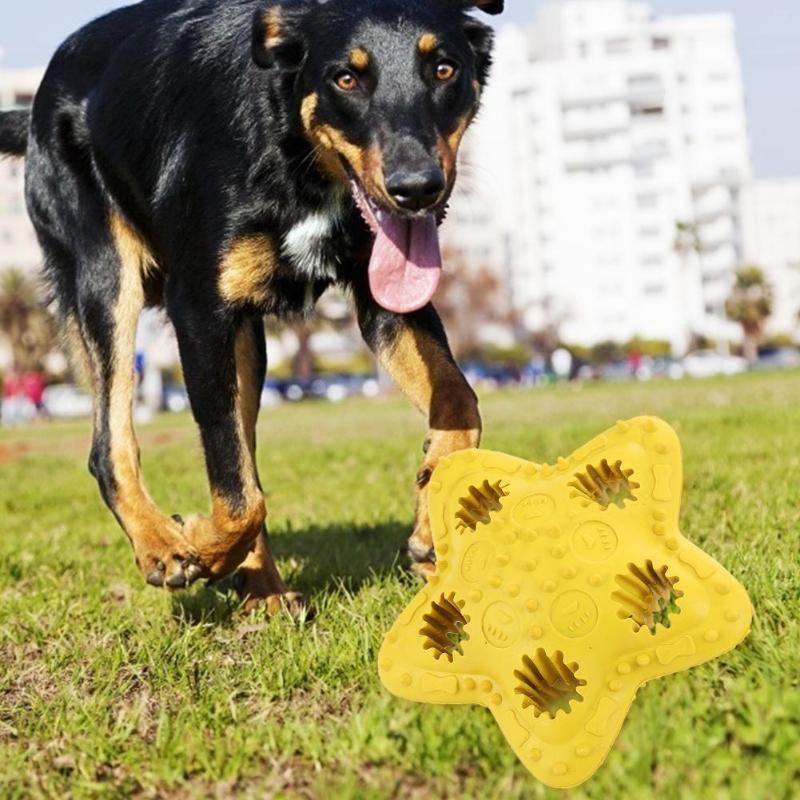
x=559 y=590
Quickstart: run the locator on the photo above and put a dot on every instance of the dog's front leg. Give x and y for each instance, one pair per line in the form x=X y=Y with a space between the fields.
x=224 y=361
x=414 y=350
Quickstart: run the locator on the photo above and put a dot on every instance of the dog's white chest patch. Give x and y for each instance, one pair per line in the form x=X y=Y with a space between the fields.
x=310 y=244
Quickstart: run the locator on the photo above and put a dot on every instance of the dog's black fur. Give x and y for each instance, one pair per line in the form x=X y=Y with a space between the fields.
x=173 y=148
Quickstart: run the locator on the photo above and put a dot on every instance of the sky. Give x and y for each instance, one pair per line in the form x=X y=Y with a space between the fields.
x=768 y=33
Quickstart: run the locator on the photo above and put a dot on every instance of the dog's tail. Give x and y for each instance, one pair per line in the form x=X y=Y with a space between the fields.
x=14 y=126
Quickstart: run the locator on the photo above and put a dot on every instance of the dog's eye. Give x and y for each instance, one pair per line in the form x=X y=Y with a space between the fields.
x=346 y=81
x=446 y=71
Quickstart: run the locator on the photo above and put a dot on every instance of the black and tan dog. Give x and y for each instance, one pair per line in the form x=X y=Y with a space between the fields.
x=233 y=158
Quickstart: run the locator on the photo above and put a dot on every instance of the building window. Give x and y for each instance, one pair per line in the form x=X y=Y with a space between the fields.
x=647 y=110
x=647 y=201
x=661 y=43
x=647 y=82
x=615 y=47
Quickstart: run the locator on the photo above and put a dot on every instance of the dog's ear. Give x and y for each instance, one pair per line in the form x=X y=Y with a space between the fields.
x=481 y=39
x=278 y=39
x=488 y=6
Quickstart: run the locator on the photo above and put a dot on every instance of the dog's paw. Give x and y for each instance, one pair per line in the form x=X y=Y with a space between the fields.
x=167 y=560
x=220 y=554
x=423 y=569
x=420 y=551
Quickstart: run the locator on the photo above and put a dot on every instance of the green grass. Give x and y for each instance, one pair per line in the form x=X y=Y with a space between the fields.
x=108 y=688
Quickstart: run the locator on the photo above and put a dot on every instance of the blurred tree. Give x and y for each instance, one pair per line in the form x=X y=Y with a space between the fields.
x=654 y=348
x=545 y=340
x=687 y=239
x=750 y=304
x=25 y=321
x=467 y=300
x=607 y=353
x=689 y=246
x=333 y=313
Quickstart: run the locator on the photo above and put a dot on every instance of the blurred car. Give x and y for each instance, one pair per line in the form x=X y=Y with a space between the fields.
x=291 y=389
x=270 y=396
x=64 y=400
x=490 y=376
x=778 y=358
x=709 y=363
x=333 y=388
x=175 y=399
x=336 y=388
x=617 y=371
x=663 y=367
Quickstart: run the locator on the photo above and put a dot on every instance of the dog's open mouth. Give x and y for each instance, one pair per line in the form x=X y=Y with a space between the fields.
x=406 y=262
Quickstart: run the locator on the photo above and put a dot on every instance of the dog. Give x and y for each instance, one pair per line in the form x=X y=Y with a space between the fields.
x=230 y=160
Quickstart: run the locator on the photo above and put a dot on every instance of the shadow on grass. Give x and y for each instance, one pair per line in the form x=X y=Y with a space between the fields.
x=320 y=558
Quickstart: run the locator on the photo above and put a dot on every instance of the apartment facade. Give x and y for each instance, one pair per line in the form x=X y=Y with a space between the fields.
x=604 y=128
x=18 y=246
x=771 y=231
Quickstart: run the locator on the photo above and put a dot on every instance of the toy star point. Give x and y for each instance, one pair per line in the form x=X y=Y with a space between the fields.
x=560 y=590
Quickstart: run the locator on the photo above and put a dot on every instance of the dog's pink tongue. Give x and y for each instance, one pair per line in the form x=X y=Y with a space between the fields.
x=406 y=263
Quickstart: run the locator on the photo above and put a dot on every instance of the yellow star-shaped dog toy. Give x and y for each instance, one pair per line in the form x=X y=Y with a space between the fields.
x=559 y=591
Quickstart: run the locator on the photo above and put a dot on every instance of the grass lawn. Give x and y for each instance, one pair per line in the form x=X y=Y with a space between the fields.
x=108 y=688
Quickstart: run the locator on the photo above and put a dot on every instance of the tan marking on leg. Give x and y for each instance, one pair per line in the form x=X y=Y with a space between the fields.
x=431 y=380
x=262 y=584
x=434 y=384
x=154 y=536
x=246 y=270
x=359 y=59
x=132 y=248
x=427 y=43
x=247 y=381
x=77 y=351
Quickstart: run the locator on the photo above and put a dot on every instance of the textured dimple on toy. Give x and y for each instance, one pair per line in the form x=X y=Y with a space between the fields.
x=559 y=591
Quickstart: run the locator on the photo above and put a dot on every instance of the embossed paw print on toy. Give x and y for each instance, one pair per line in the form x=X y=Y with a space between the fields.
x=560 y=590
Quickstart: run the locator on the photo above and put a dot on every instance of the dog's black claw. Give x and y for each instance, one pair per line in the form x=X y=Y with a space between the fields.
x=178 y=518
x=424 y=478
x=193 y=571
x=421 y=555
x=156 y=579
x=178 y=581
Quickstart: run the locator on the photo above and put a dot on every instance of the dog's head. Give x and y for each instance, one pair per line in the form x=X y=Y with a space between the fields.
x=385 y=90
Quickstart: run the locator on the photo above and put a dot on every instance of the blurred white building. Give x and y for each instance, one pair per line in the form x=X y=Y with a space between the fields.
x=771 y=214
x=603 y=128
x=18 y=245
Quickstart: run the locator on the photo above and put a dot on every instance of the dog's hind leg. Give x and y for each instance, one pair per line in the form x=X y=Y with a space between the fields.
x=109 y=300
x=414 y=350
x=258 y=580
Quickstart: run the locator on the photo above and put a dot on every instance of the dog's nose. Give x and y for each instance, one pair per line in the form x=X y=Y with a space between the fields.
x=415 y=191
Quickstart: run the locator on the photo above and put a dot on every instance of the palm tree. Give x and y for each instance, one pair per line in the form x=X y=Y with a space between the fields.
x=750 y=304
x=689 y=247
x=24 y=321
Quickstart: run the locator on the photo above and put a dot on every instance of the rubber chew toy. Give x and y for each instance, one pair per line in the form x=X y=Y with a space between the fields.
x=559 y=591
